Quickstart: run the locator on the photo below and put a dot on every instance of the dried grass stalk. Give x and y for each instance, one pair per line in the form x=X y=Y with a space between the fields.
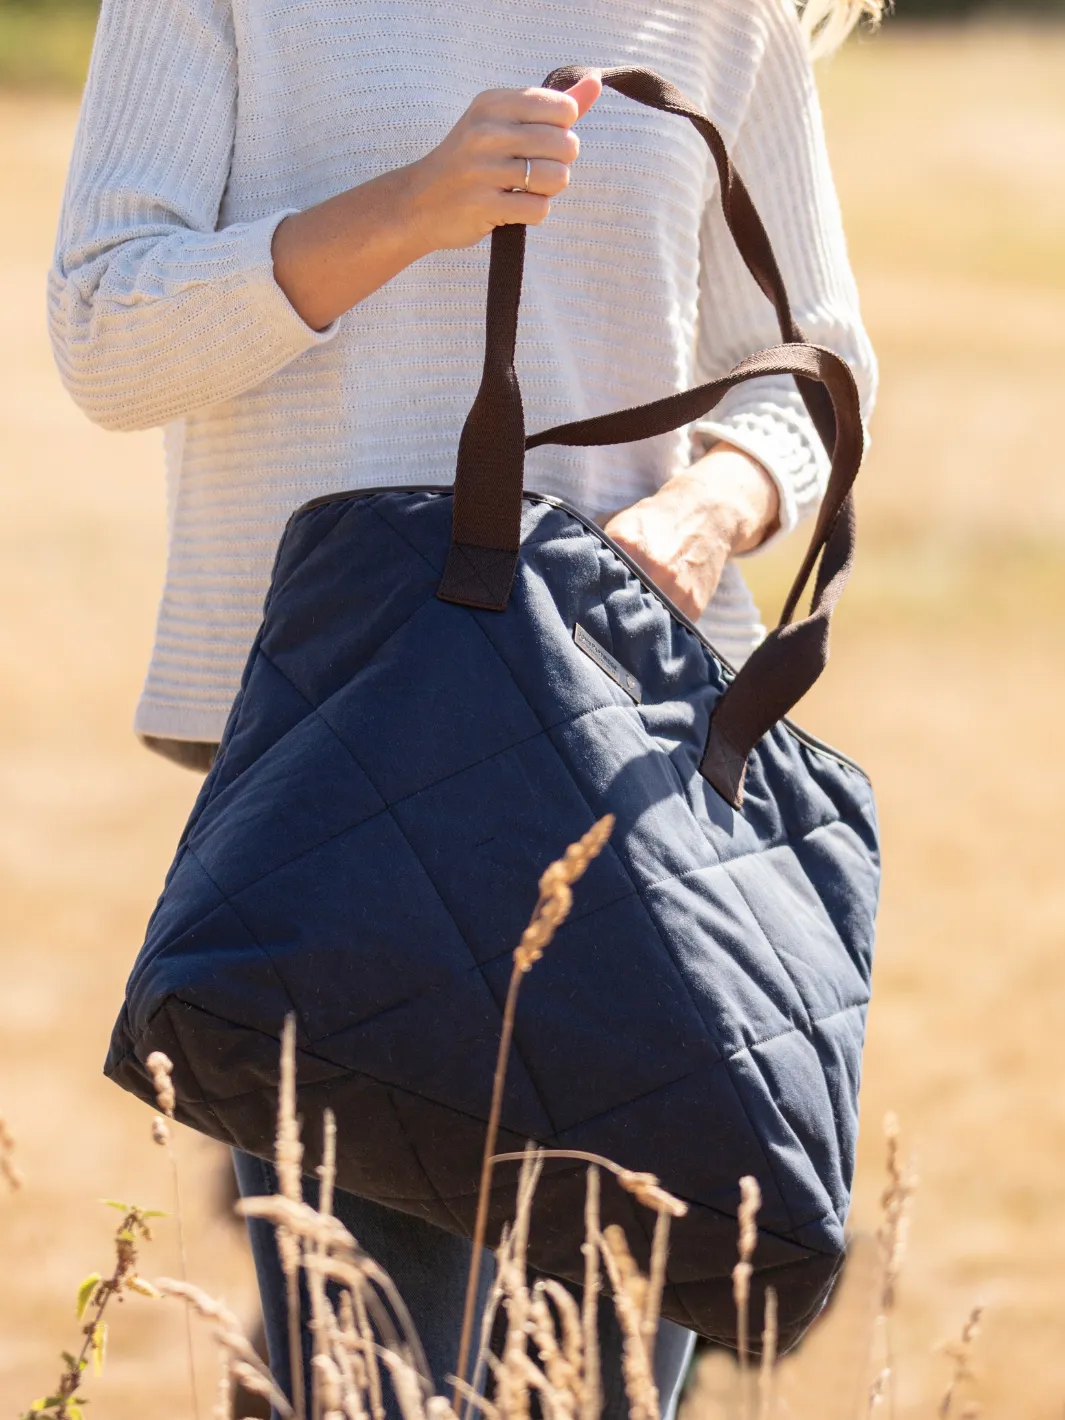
x=572 y=1335
x=235 y=1348
x=288 y=1157
x=892 y=1236
x=323 y=1319
x=513 y=1375
x=551 y=1401
x=491 y=1310
x=750 y=1203
x=592 y=1390
x=9 y=1170
x=473 y=1398
x=630 y=1291
x=878 y=1390
x=652 y=1309
x=327 y=1169
x=563 y=1379
x=328 y=1382
x=644 y=1187
x=438 y=1407
x=767 y=1372
x=346 y=1354
x=961 y=1353
x=405 y=1384
x=369 y=1353
x=896 y=1204
x=364 y=1278
x=223 y=1405
x=161 y=1069
x=552 y=908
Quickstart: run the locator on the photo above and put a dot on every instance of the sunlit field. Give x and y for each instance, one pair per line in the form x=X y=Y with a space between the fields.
x=947 y=683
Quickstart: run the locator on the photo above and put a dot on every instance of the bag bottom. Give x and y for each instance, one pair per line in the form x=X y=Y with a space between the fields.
x=408 y=1129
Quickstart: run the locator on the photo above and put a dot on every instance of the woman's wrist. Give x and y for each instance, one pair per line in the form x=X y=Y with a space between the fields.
x=683 y=534
x=741 y=496
x=330 y=257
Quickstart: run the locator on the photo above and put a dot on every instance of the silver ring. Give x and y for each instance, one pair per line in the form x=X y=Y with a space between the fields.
x=528 y=174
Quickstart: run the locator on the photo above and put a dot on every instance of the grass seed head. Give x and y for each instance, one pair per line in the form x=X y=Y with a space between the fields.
x=556 y=896
x=328 y=1381
x=750 y=1203
x=161 y=1069
x=646 y=1189
x=288 y=1148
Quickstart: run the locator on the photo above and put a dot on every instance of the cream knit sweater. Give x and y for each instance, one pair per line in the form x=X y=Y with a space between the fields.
x=206 y=121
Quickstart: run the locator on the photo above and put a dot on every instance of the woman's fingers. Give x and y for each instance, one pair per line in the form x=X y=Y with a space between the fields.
x=507 y=156
x=527 y=208
x=559 y=110
x=539 y=140
x=585 y=92
x=545 y=177
x=526 y=106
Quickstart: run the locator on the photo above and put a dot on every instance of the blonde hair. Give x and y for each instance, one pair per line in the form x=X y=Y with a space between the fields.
x=828 y=22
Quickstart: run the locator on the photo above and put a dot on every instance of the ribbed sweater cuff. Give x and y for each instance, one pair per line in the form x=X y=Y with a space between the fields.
x=242 y=257
x=254 y=262
x=186 y=719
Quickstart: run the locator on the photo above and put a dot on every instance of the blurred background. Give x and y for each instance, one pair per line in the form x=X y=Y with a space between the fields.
x=948 y=683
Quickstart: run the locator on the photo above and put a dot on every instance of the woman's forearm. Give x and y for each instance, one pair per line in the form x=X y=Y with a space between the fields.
x=743 y=493
x=332 y=256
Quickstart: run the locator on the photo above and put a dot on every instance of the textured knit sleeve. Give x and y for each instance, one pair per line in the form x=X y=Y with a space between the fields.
x=152 y=311
x=781 y=154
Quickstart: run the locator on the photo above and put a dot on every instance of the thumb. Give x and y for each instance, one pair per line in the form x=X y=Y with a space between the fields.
x=585 y=92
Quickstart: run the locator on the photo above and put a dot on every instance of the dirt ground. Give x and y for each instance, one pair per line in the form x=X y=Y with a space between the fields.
x=947 y=684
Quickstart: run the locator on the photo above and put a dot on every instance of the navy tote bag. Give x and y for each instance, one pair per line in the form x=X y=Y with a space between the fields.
x=450 y=685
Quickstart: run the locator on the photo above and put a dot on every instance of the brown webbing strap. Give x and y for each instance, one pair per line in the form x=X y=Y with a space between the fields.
x=646 y=87
x=784 y=667
x=486 y=531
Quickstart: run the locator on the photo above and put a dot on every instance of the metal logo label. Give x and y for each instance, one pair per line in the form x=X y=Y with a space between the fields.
x=606 y=663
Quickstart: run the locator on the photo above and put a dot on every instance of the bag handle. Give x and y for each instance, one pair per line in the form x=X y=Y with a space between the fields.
x=788 y=662
x=486 y=526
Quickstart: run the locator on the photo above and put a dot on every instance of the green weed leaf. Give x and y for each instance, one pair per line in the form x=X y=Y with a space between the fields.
x=99 y=1346
x=85 y=1291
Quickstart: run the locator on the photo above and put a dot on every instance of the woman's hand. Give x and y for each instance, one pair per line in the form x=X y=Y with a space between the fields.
x=466 y=186
x=683 y=535
x=332 y=256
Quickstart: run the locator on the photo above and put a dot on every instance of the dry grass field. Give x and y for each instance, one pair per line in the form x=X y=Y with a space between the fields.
x=948 y=683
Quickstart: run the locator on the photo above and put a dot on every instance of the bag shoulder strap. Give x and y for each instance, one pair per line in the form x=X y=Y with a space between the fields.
x=486 y=527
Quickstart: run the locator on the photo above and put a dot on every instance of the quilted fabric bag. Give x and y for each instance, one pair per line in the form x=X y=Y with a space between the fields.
x=448 y=687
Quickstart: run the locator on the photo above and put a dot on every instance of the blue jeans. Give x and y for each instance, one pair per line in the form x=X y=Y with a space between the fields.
x=429 y=1267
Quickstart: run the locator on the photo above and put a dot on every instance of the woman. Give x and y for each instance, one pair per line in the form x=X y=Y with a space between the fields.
x=272 y=245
